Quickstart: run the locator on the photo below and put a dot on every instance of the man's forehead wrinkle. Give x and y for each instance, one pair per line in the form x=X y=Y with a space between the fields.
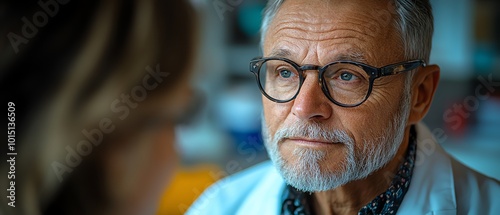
x=293 y=48
x=317 y=29
x=296 y=12
x=364 y=27
x=296 y=17
x=300 y=33
x=304 y=26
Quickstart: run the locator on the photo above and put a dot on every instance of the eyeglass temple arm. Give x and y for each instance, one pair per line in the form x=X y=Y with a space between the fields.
x=403 y=67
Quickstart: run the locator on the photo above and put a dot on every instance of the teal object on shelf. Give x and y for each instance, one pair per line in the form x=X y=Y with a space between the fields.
x=250 y=18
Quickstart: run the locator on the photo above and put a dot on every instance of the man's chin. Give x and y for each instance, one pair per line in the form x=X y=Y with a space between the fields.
x=310 y=177
x=304 y=158
x=311 y=182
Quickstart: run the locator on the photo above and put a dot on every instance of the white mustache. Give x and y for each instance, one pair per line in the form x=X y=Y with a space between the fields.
x=312 y=130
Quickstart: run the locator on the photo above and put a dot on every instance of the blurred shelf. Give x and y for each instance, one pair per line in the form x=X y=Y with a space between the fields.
x=239 y=57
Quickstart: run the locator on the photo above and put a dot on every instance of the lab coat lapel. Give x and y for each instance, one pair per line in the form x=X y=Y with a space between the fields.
x=432 y=185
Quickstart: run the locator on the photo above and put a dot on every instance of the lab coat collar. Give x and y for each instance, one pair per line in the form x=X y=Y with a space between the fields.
x=432 y=185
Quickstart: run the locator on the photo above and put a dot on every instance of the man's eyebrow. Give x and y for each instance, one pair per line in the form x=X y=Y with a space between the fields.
x=351 y=56
x=283 y=53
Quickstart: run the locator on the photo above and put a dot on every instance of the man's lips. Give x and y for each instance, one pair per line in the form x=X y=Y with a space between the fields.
x=310 y=141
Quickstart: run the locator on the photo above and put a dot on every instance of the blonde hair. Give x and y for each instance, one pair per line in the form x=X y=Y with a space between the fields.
x=120 y=41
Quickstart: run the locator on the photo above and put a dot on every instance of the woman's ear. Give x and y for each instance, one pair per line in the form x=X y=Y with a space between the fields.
x=424 y=85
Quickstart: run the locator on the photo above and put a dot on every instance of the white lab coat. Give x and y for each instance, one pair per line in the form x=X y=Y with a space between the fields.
x=439 y=185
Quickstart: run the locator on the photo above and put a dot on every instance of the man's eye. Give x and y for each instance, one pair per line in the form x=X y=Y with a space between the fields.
x=285 y=73
x=345 y=76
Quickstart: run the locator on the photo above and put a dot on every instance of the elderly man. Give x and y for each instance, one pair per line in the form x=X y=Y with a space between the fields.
x=345 y=84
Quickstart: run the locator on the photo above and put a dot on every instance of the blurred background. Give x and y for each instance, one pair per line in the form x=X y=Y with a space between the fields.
x=224 y=137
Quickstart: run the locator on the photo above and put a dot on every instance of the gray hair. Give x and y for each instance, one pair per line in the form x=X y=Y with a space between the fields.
x=414 y=21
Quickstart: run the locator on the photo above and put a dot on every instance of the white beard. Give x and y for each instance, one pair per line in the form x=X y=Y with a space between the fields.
x=306 y=174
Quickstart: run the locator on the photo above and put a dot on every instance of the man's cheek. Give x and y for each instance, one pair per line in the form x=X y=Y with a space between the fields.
x=274 y=116
x=360 y=126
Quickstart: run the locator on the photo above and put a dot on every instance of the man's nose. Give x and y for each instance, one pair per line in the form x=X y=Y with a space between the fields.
x=311 y=103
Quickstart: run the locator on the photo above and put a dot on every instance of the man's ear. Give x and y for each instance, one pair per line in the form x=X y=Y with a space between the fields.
x=425 y=82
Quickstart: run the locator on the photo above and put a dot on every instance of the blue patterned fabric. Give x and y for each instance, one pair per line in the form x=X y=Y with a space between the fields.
x=388 y=202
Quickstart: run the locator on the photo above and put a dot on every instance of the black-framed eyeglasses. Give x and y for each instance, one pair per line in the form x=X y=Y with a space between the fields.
x=345 y=83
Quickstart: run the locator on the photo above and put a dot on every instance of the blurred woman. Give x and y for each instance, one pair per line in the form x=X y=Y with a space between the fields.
x=98 y=86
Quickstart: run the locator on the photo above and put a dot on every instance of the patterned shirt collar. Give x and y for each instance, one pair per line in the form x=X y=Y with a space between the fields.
x=297 y=202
